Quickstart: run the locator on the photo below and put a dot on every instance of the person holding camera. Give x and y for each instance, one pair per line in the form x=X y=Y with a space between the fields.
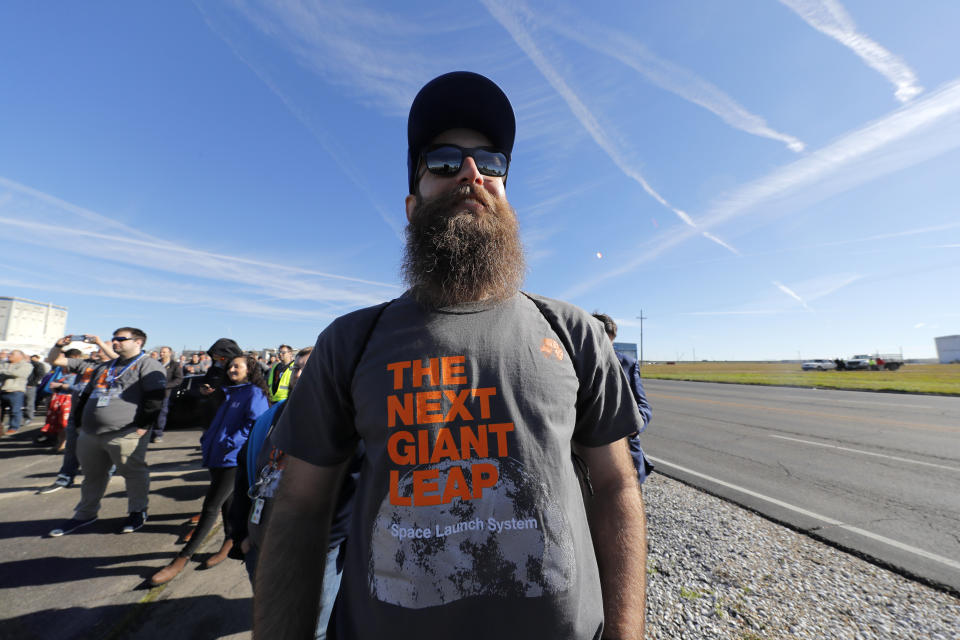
x=83 y=371
x=114 y=415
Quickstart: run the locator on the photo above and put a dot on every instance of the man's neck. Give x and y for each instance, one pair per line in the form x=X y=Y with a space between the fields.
x=123 y=358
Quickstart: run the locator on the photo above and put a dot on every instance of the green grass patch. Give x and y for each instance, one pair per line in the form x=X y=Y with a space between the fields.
x=941 y=379
x=689 y=594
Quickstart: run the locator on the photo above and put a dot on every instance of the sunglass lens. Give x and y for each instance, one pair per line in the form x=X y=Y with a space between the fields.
x=491 y=163
x=444 y=161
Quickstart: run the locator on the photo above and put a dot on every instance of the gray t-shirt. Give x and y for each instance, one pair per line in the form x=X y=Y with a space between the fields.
x=469 y=517
x=116 y=390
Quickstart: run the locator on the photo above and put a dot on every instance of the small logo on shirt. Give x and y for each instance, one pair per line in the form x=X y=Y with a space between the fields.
x=551 y=349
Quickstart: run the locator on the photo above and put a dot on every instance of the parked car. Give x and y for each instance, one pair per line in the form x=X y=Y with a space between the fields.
x=190 y=408
x=818 y=365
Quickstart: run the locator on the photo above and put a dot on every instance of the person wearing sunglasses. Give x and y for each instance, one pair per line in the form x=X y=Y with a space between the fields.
x=480 y=407
x=114 y=416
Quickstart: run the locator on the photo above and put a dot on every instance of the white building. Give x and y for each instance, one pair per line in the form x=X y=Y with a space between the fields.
x=948 y=349
x=29 y=325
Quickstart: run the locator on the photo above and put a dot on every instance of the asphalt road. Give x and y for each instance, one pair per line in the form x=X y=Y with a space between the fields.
x=876 y=473
x=94 y=583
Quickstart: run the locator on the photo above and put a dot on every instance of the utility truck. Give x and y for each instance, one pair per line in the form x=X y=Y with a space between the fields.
x=875 y=362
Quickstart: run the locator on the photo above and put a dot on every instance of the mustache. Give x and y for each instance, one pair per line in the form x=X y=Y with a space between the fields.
x=461 y=193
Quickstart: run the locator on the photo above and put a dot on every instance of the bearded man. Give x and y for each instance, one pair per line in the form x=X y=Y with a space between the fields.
x=481 y=408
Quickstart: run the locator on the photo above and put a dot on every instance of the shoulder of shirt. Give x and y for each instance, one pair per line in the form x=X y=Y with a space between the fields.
x=359 y=320
x=145 y=362
x=572 y=315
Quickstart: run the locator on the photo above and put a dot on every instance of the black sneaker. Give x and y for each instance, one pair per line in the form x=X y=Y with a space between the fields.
x=134 y=521
x=62 y=482
x=71 y=525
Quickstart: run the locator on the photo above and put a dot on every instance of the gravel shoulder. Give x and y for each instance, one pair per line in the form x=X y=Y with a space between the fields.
x=716 y=570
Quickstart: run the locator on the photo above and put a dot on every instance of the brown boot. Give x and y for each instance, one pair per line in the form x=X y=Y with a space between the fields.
x=169 y=572
x=219 y=556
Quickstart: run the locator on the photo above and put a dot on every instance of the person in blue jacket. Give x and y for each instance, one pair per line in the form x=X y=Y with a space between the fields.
x=246 y=398
x=631 y=369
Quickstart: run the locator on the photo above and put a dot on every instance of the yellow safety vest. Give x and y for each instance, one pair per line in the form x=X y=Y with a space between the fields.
x=284 y=387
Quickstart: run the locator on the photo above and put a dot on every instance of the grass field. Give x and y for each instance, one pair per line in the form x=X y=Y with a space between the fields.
x=911 y=378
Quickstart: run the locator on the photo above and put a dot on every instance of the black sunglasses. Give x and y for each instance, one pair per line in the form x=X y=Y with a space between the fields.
x=120 y=339
x=446 y=160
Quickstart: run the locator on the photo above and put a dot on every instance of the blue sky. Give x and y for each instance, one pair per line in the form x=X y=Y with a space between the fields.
x=763 y=179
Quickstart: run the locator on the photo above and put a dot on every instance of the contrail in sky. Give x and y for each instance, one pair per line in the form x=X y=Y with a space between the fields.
x=790 y=292
x=664 y=74
x=512 y=23
x=829 y=17
x=914 y=133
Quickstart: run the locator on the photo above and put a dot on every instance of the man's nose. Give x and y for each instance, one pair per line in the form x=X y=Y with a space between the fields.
x=469 y=172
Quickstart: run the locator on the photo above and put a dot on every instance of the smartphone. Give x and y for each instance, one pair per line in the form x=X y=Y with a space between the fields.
x=77 y=338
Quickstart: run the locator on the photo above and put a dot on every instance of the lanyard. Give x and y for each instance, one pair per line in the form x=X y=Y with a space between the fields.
x=112 y=378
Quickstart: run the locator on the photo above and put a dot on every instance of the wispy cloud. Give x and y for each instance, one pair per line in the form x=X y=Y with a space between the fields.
x=363 y=51
x=166 y=271
x=513 y=22
x=338 y=56
x=830 y=18
x=662 y=73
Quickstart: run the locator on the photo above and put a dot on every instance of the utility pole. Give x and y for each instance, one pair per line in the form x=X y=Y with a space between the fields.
x=641 y=317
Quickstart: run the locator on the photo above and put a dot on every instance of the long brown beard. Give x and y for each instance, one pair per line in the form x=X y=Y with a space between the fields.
x=454 y=255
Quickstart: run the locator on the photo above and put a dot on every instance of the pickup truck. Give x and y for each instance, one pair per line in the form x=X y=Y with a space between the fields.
x=875 y=362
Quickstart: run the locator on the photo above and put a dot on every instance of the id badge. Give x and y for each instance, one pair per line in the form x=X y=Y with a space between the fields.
x=103 y=400
x=257 y=510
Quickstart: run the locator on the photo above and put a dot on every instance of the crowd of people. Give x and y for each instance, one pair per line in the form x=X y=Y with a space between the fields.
x=462 y=459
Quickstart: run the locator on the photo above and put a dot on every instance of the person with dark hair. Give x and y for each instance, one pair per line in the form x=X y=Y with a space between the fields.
x=246 y=399
x=114 y=415
x=279 y=377
x=174 y=378
x=631 y=368
x=480 y=407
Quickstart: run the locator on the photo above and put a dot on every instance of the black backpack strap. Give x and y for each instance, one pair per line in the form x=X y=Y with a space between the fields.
x=377 y=312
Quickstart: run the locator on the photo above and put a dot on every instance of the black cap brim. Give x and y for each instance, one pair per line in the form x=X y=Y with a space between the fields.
x=460 y=99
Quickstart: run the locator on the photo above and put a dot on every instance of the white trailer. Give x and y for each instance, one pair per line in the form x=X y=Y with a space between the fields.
x=948 y=349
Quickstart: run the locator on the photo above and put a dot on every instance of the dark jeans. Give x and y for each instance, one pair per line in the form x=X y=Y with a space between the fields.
x=161 y=419
x=13 y=400
x=71 y=464
x=218 y=498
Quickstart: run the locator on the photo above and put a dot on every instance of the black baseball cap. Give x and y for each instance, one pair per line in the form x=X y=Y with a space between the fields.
x=461 y=99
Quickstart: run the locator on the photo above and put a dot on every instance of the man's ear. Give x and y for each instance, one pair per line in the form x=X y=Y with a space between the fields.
x=411 y=202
